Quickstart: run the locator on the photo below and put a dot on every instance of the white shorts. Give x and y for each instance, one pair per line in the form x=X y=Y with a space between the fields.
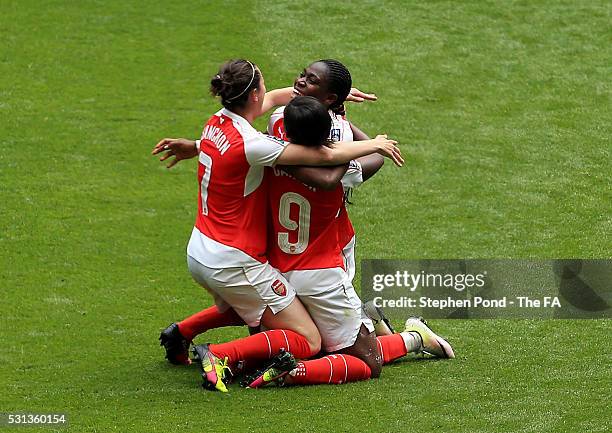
x=248 y=290
x=333 y=304
x=349 y=258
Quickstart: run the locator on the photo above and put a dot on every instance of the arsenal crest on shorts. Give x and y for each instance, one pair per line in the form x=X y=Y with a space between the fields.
x=279 y=288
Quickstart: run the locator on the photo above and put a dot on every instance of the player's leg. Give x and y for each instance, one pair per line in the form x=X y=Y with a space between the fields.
x=258 y=293
x=365 y=345
x=378 y=351
x=336 y=309
x=209 y=318
x=417 y=337
x=215 y=360
x=284 y=369
x=343 y=324
x=432 y=344
x=365 y=348
x=361 y=360
x=396 y=346
x=177 y=337
x=338 y=315
x=382 y=325
x=290 y=330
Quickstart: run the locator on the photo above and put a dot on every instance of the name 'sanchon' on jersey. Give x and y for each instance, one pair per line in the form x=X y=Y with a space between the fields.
x=217 y=136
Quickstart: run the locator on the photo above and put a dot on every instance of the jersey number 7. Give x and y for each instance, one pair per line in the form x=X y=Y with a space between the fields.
x=206 y=162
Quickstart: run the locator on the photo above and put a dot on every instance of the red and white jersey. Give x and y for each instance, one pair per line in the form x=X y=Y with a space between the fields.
x=304 y=224
x=230 y=228
x=340 y=131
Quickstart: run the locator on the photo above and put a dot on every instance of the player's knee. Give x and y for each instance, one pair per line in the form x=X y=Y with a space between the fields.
x=365 y=348
x=371 y=359
x=314 y=342
x=373 y=362
x=375 y=367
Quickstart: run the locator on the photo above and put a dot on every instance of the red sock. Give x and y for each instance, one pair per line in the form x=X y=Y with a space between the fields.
x=263 y=346
x=209 y=318
x=335 y=369
x=391 y=347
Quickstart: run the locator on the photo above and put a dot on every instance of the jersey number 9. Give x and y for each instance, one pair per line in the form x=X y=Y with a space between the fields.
x=302 y=225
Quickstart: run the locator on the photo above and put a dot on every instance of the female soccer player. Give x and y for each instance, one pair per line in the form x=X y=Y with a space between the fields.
x=303 y=244
x=226 y=252
x=313 y=264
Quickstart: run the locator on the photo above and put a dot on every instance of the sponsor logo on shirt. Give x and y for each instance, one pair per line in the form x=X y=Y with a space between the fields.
x=276 y=139
x=334 y=134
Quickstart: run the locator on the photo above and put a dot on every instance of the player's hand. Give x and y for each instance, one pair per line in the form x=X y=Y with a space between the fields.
x=357 y=95
x=388 y=148
x=180 y=148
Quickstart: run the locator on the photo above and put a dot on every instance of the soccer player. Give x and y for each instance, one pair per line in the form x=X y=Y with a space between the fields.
x=330 y=82
x=306 y=244
x=226 y=252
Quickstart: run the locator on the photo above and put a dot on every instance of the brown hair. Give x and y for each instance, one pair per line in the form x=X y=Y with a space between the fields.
x=234 y=81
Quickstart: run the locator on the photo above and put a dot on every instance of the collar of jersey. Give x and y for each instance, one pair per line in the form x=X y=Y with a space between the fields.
x=241 y=121
x=333 y=115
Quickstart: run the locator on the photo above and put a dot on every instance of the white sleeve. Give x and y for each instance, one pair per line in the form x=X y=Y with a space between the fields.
x=275 y=117
x=353 y=176
x=261 y=149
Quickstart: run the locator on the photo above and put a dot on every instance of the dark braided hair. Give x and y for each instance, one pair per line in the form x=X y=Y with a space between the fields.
x=339 y=81
x=234 y=81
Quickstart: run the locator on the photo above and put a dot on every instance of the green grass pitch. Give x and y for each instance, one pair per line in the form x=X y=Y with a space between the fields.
x=503 y=112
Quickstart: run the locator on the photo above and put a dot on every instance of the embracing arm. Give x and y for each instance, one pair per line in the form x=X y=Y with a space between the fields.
x=180 y=148
x=356 y=95
x=278 y=97
x=370 y=165
x=340 y=153
x=325 y=178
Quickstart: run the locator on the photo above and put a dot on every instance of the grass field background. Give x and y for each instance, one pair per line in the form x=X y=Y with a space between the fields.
x=503 y=112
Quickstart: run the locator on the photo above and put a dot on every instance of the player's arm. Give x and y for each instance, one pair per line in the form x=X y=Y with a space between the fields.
x=180 y=148
x=278 y=97
x=356 y=95
x=340 y=152
x=369 y=164
x=325 y=178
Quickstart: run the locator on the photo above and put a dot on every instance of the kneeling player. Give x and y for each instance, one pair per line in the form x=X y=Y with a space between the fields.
x=305 y=244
